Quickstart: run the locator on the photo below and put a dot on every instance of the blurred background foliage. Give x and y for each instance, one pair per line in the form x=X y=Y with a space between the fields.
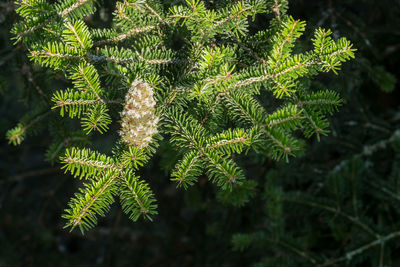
x=338 y=204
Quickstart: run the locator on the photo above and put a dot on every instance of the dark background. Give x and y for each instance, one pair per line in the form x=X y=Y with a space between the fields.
x=193 y=228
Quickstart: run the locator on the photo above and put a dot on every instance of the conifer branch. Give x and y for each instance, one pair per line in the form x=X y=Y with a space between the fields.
x=89 y=164
x=73 y=7
x=50 y=14
x=136 y=198
x=18 y=133
x=319 y=102
x=32 y=29
x=287 y=117
x=84 y=163
x=159 y=61
x=349 y=255
x=245 y=48
x=49 y=56
x=224 y=172
x=52 y=156
x=39 y=8
x=276 y=9
x=154 y=12
x=230 y=141
x=235 y=15
x=208 y=93
x=252 y=80
x=187 y=170
x=63 y=104
x=86 y=204
x=217 y=100
x=78 y=35
x=241 y=241
x=285 y=149
x=86 y=77
x=352 y=219
x=297 y=251
x=227 y=142
x=120 y=11
x=126 y=35
x=286 y=38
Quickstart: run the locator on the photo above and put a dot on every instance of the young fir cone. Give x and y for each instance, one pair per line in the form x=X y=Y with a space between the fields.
x=139 y=121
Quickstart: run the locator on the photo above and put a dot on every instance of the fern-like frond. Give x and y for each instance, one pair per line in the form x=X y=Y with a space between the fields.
x=281 y=144
x=229 y=141
x=188 y=169
x=88 y=164
x=283 y=41
x=185 y=130
x=287 y=117
x=33 y=8
x=73 y=103
x=316 y=123
x=28 y=124
x=223 y=171
x=86 y=78
x=133 y=157
x=55 y=55
x=244 y=108
x=91 y=201
x=96 y=119
x=75 y=9
x=136 y=197
x=77 y=35
x=326 y=101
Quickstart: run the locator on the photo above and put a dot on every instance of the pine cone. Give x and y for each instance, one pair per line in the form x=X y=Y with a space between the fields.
x=139 y=121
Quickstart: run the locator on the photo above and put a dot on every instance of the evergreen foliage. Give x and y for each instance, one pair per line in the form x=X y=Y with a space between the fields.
x=220 y=90
x=348 y=203
x=338 y=205
x=196 y=225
